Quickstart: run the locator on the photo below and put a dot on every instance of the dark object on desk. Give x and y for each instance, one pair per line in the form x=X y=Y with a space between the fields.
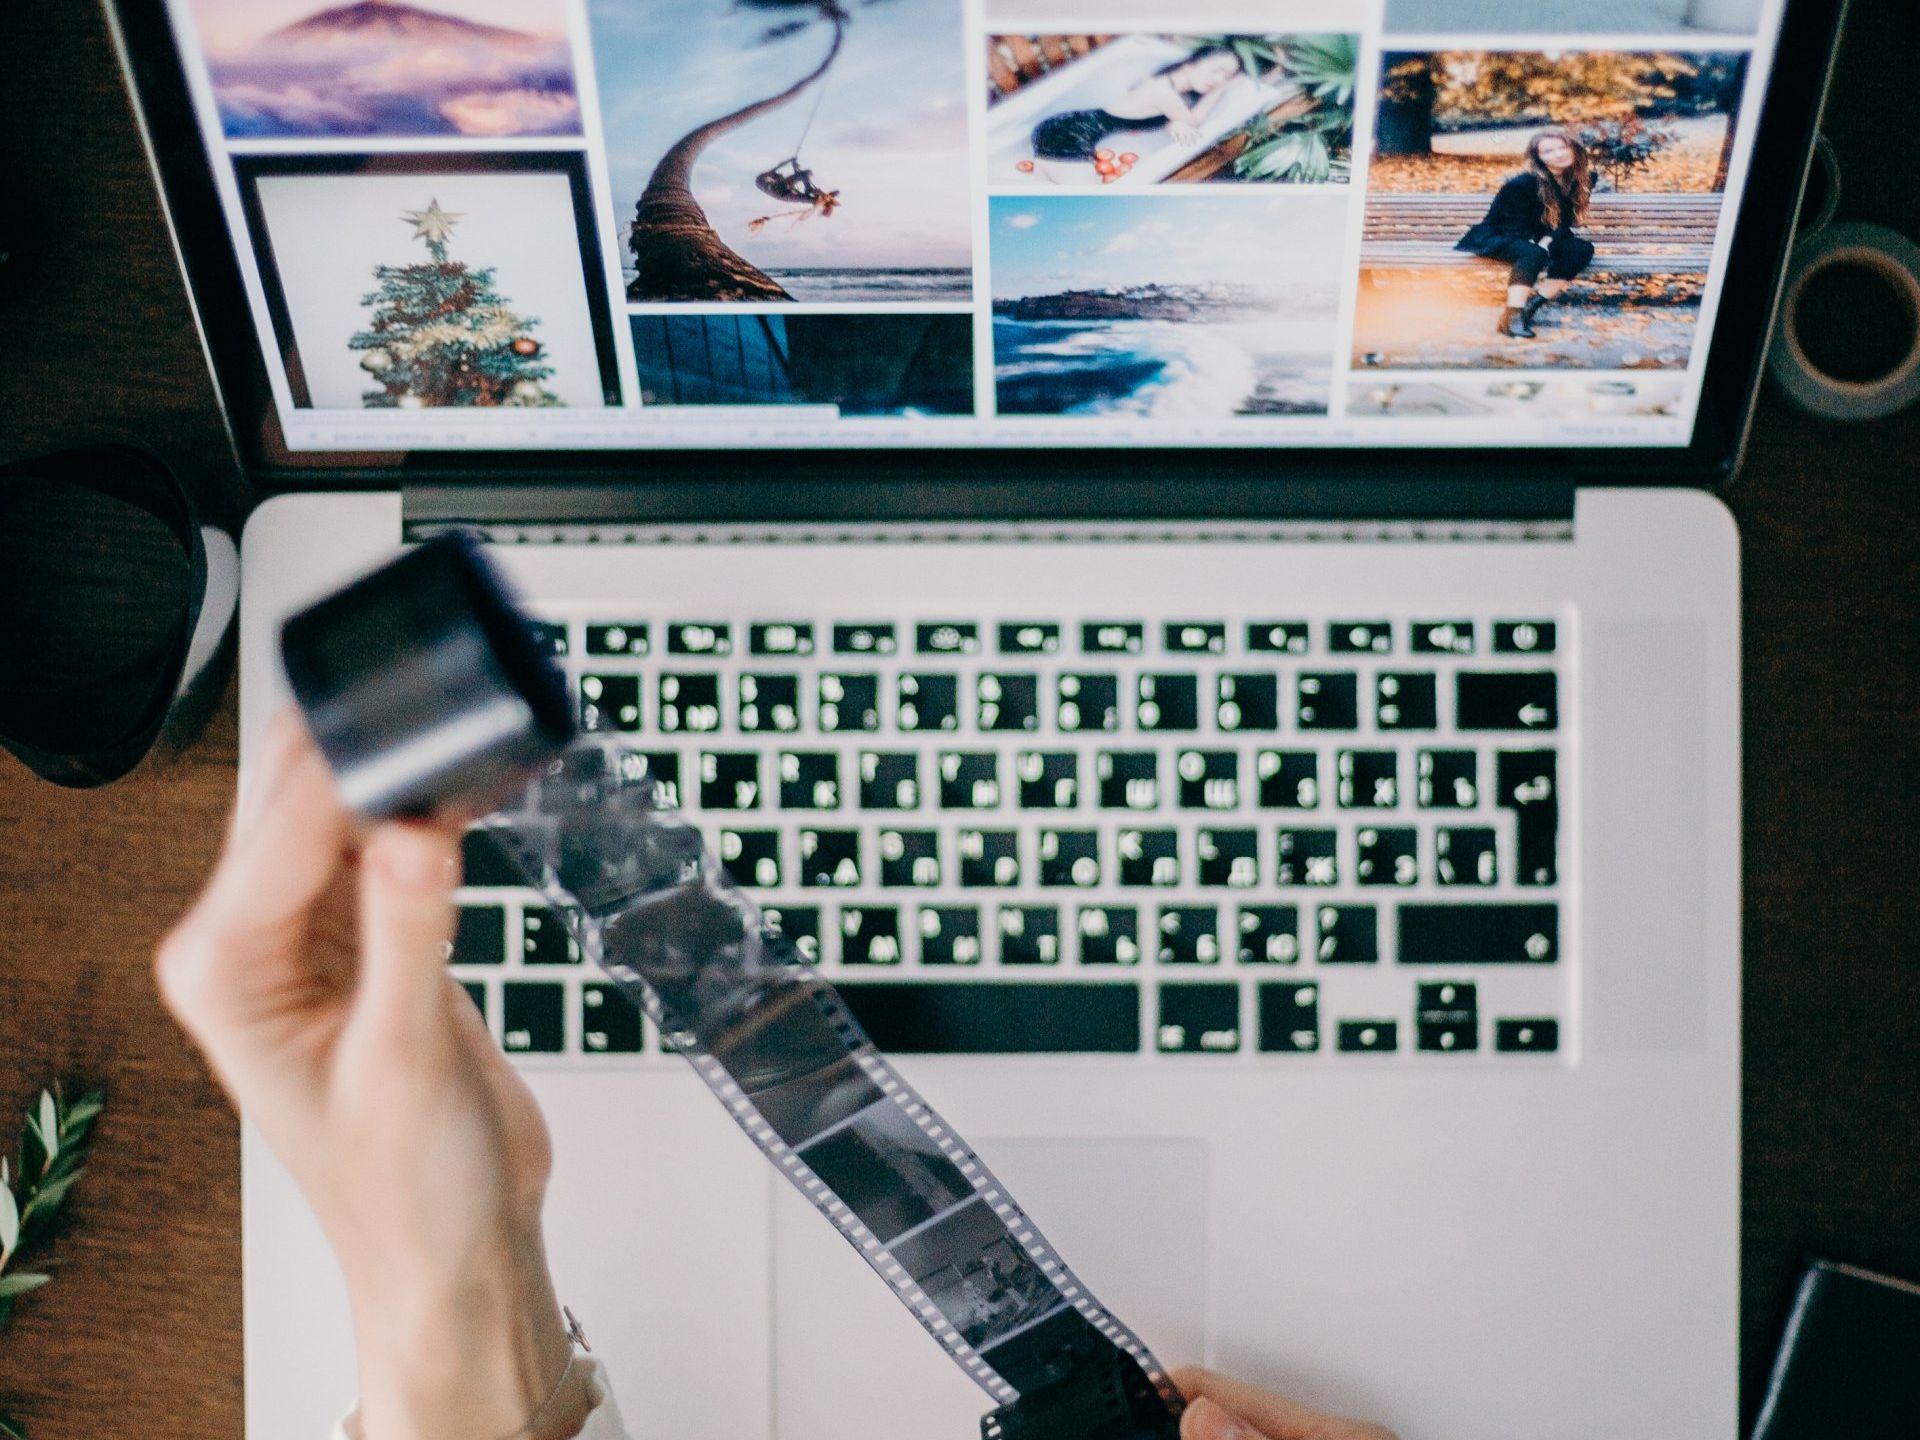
x=1849 y=1365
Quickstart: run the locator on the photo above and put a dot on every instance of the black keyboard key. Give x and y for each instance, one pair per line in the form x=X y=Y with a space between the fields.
x=1526 y=1036
x=1525 y=782
x=609 y=702
x=1189 y=935
x=969 y=780
x=1008 y=702
x=780 y=637
x=1129 y=779
x=1507 y=700
x=946 y=637
x=1269 y=935
x=1465 y=855
x=544 y=939
x=534 y=1020
x=694 y=638
x=751 y=857
x=1029 y=935
x=550 y=637
x=1070 y=857
x=477 y=992
x=949 y=935
x=483 y=862
x=799 y=925
x=849 y=702
x=1525 y=637
x=1367 y=779
x=1277 y=637
x=1360 y=637
x=1346 y=935
x=868 y=639
x=809 y=780
x=869 y=935
x=830 y=858
x=630 y=637
x=690 y=703
x=1228 y=858
x=609 y=1021
x=729 y=780
x=1443 y=637
x=1289 y=1017
x=989 y=859
x=889 y=780
x=1089 y=702
x=1387 y=855
x=1113 y=637
x=1328 y=701
x=1047 y=780
x=1198 y=1019
x=1479 y=934
x=769 y=703
x=1208 y=779
x=1446 y=1017
x=1029 y=637
x=1288 y=779
x=973 y=1017
x=1247 y=702
x=909 y=858
x=1109 y=935
x=1406 y=700
x=1195 y=637
x=1169 y=702
x=929 y=702
x=1149 y=858
x=1307 y=857
x=479 y=936
x=1367 y=1037
x=1447 y=779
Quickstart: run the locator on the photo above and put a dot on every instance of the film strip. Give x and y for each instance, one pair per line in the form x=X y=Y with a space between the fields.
x=648 y=902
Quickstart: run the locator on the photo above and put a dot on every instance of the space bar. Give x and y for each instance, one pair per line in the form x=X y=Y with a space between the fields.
x=985 y=1018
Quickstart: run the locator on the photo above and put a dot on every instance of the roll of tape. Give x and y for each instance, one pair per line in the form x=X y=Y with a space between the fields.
x=1895 y=260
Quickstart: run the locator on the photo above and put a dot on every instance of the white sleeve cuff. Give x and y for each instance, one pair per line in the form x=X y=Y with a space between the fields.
x=603 y=1421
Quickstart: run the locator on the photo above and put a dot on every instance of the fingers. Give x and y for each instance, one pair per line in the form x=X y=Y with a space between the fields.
x=408 y=874
x=1204 y=1420
x=1216 y=1405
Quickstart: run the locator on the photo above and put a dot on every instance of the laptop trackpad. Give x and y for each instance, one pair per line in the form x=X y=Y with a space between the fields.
x=1129 y=1216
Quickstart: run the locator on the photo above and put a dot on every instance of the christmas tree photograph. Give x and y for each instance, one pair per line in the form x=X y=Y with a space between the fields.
x=442 y=335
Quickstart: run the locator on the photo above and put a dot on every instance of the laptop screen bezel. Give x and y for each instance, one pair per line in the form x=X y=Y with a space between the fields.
x=962 y=482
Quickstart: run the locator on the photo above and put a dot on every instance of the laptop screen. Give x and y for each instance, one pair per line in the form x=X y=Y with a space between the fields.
x=554 y=225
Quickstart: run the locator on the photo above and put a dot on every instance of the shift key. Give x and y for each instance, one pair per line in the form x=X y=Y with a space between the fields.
x=1479 y=934
x=1507 y=700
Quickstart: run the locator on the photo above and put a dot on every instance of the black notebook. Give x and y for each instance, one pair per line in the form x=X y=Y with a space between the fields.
x=1849 y=1365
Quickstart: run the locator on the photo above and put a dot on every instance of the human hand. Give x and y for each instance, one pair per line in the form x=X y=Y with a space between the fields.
x=1183 y=133
x=1222 y=1409
x=312 y=973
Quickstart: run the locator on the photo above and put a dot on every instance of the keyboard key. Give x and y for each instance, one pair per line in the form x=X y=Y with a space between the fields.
x=1113 y=637
x=1109 y=935
x=1447 y=779
x=1129 y=779
x=869 y=935
x=909 y=858
x=1479 y=934
x=1008 y=702
x=849 y=702
x=1465 y=855
x=629 y=637
x=1388 y=855
x=483 y=862
x=1189 y=935
x=1525 y=637
x=946 y=637
x=686 y=638
x=1346 y=935
x=609 y=702
x=1367 y=1037
x=871 y=639
x=534 y=1020
x=1360 y=637
x=1198 y=1019
x=1328 y=701
x=1029 y=935
x=1248 y=702
x=799 y=925
x=479 y=937
x=889 y=780
x=1277 y=637
x=929 y=702
x=1443 y=637
x=1506 y=700
x=989 y=859
x=1089 y=702
x=550 y=637
x=477 y=992
x=609 y=1021
x=659 y=767
x=809 y=780
x=769 y=702
x=1447 y=1017
x=780 y=638
x=1228 y=858
x=1070 y=857
x=1029 y=638
x=1367 y=779
x=1406 y=700
x=1195 y=637
x=751 y=857
x=1526 y=1037
x=949 y=935
x=1524 y=782
x=690 y=703
x=1288 y=779
x=1048 y=780
x=969 y=780
x=1208 y=779
x=1169 y=702
x=830 y=858
x=1307 y=857
x=973 y=1017
x=729 y=780
x=1149 y=858
x=1269 y=935
x=544 y=939
x=1289 y=1017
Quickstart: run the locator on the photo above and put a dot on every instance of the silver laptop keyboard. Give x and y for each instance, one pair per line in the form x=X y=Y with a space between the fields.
x=1260 y=837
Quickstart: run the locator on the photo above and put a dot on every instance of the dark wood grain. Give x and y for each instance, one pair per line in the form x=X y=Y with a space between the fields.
x=141 y=1333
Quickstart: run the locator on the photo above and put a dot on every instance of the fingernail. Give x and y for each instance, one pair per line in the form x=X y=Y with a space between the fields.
x=416 y=861
x=1210 y=1422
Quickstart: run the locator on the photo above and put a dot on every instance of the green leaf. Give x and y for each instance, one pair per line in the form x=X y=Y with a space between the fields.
x=85 y=1109
x=9 y=1221
x=12 y=1285
x=10 y=1428
x=46 y=1199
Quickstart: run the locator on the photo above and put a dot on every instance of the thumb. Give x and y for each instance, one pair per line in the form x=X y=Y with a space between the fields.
x=407 y=877
x=1206 y=1420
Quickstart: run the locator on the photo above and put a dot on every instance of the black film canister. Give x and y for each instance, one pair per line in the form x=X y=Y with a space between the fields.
x=424 y=687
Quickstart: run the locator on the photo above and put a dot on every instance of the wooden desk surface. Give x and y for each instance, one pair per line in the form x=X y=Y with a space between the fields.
x=141 y=1332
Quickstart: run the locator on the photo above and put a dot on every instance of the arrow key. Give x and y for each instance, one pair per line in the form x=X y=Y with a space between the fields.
x=1507 y=700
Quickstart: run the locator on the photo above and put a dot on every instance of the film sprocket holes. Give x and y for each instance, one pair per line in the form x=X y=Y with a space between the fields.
x=423 y=700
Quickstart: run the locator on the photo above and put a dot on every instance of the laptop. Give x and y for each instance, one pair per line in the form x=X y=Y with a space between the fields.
x=1241 y=691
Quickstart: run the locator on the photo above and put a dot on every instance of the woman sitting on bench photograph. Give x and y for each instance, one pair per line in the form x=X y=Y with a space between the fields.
x=1530 y=225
